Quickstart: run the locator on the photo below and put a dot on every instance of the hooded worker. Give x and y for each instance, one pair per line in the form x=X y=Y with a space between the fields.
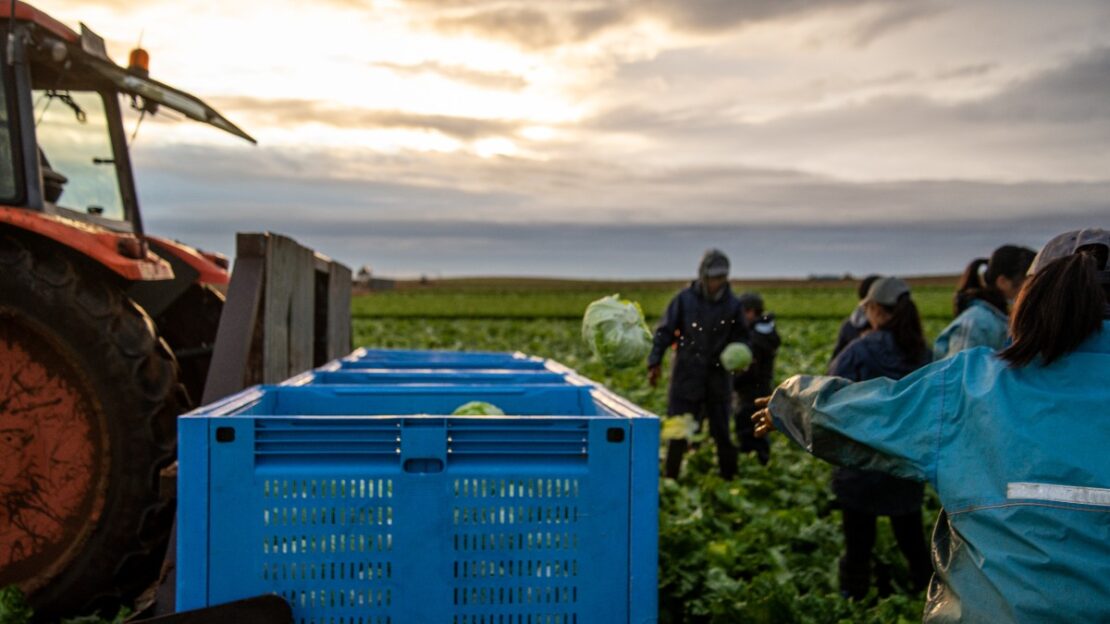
x=1014 y=442
x=701 y=320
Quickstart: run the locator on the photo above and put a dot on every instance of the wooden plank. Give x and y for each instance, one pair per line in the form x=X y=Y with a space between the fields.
x=339 y=311
x=231 y=352
x=288 y=314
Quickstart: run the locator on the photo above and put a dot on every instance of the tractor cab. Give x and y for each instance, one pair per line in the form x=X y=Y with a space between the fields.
x=65 y=151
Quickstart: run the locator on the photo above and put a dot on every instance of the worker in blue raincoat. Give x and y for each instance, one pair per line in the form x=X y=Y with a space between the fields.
x=982 y=301
x=1015 y=444
x=701 y=320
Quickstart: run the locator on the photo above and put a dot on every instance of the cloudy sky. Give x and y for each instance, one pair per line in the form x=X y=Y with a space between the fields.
x=613 y=138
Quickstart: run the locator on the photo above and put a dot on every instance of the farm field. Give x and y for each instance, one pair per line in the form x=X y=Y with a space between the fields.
x=760 y=548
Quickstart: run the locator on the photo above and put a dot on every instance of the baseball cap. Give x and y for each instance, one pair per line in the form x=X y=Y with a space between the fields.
x=1068 y=243
x=886 y=291
x=714 y=264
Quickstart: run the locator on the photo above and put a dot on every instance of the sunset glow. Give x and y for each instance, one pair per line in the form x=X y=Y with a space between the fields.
x=854 y=114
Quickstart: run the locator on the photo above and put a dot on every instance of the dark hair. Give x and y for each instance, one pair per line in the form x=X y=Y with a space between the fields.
x=905 y=324
x=1008 y=261
x=1058 y=308
x=865 y=285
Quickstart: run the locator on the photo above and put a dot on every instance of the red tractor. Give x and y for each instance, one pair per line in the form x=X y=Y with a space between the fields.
x=105 y=332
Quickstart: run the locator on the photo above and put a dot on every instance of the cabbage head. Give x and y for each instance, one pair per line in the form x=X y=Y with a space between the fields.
x=681 y=427
x=736 y=356
x=616 y=332
x=477 y=408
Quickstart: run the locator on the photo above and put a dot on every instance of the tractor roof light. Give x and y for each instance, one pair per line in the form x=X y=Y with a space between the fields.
x=139 y=63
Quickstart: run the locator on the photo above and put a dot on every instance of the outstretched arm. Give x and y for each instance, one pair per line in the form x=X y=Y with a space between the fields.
x=881 y=424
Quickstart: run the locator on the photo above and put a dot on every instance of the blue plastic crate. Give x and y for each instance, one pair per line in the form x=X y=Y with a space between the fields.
x=447 y=376
x=342 y=500
x=405 y=359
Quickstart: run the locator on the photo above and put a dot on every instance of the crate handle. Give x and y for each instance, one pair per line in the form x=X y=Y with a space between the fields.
x=423 y=465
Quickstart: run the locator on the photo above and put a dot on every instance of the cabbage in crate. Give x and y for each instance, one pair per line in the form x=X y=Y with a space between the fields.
x=478 y=408
x=616 y=332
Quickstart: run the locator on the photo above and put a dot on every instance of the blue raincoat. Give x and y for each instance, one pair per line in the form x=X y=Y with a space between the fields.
x=1019 y=458
x=980 y=325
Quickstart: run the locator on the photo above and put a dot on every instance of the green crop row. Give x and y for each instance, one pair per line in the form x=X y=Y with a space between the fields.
x=525 y=302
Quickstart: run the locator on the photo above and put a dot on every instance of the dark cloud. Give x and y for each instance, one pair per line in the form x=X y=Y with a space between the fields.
x=291 y=112
x=1074 y=91
x=488 y=80
x=530 y=27
x=973 y=70
x=1056 y=119
x=896 y=17
x=541 y=24
x=721 y=15
x=351 y=186
x=453 y=248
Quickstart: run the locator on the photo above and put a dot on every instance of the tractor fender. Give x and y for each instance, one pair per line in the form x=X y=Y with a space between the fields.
x=101 y=245
x=206 y=264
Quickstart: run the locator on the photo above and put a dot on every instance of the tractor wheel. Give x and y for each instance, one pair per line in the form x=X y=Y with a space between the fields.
x=88 y=405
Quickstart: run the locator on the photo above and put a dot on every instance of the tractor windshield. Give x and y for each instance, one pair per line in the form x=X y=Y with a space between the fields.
x=75 y=152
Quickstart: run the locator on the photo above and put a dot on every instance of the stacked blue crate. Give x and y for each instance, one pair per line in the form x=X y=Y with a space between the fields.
x=352 y=493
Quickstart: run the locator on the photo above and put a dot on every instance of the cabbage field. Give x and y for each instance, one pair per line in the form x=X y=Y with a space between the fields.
x=760 y=548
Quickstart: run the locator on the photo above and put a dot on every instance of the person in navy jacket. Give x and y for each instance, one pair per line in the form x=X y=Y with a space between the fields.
x=700 y=321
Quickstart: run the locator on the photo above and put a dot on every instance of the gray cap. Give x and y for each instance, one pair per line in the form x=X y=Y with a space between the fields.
x=887 y=291
x=1068 y=243
x=714 y=264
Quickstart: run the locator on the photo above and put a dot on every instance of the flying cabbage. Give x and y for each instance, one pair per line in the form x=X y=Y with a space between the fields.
x=736 y=356
x=616 y=333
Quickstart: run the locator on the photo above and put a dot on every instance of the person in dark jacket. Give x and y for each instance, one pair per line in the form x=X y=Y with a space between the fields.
x=701 y=320
x=894 y=348
x=856 y=323
x=758 y=379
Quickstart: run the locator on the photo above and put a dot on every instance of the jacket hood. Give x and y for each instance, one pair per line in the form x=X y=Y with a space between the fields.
x=714 y=258
x=717 y=260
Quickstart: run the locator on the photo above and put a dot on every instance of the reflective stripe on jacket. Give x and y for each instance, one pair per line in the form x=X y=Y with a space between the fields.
x=980 y=325
x=1018 y=457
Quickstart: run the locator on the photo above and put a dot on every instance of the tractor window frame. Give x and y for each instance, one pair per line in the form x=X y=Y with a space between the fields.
x=96 y=103
x=110 y=97
x=9 y=85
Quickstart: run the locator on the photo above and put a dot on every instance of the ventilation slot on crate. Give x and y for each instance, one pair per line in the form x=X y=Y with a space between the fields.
x=516 y=618
x=327 y=441
x=331 y=619
x=516 y=546
x=328 y=547
x=537 y=441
